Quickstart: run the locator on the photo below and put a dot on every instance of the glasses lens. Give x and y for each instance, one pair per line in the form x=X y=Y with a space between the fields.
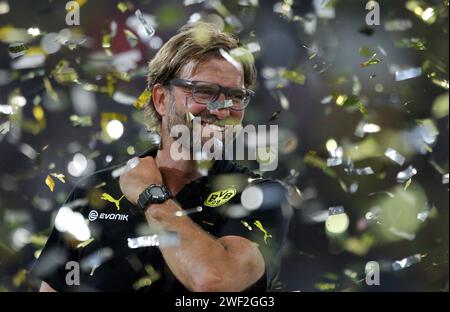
x=205 y=93
x=239 y=97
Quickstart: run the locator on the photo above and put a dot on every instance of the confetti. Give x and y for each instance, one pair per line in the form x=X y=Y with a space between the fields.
x=398 y=25
x=17 y=49
x=81 y=121
x=406 y=174
x=445 y=178
x=402 y=234
x=85 y=243
x=406 y=262
x=167 y=239
x=143 y=99
x=220 y=104
x=395 y=156
x=148 y=28
x=365 y=127
x=152 y=276
x=91 y=262
x=186 y=212
x=244 y=223
x=131 y=38
x=372 y=61
x=122 y=6
x=295 y=76
x=133 y=162
x=50 y=183
x=275 y=115
x=363 y=171
x=408 y=74
x=64 y=73
x=411 y=43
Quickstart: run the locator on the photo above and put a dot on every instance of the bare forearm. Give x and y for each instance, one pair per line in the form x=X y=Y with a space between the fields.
x=199 y=258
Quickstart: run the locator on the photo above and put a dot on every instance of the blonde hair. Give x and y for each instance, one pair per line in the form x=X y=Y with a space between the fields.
x=194 y=42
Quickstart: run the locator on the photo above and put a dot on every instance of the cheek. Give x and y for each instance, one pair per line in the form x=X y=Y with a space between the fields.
x=196 y=109
x=239 y=115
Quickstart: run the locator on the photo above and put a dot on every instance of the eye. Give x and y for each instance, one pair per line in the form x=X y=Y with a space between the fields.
x=237 y=95
x=205 y=92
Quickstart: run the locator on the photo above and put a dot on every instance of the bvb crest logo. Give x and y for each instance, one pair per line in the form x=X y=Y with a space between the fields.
x=220 y=197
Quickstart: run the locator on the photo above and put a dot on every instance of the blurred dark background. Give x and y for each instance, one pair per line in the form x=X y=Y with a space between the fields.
x=312 y=83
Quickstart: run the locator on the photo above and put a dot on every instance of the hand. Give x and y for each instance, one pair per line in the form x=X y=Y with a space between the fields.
x=135 y=181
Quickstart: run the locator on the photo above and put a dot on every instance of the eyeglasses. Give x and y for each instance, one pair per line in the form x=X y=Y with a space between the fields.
x=206 y=92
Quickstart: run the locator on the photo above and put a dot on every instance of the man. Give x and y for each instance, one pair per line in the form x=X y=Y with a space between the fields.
x=203 y=245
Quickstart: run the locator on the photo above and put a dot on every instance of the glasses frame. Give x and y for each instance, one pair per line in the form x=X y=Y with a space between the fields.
x=192 y=84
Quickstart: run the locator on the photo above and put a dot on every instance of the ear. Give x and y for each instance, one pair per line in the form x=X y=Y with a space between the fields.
x=160 y=98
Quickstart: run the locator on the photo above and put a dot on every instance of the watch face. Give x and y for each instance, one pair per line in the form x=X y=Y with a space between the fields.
x=156 y=191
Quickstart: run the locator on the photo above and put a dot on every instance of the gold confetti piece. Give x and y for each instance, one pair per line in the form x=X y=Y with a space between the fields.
x=19 y=278
x=122 y=6
x=143 y=99
x=131 y=38
x=38 y=240
x=81 y=121
x=312 y=159
x=100 y=185
x=372 y=61
x=412 y=43
x=366 y=51
x=351 y=101
x=107 y=117
x=50 y=183
x=59 y=176
x=258 y=224
x=49 y=89
x=325 y=286
x=152 y=276
x=107 y=197
x=407 y=184
x=85 y=243
x=275 y=115
x=64 y=73
x=443 y=83
x=294 y=76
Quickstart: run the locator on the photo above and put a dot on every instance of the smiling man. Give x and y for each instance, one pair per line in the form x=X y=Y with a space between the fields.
x=221 y=231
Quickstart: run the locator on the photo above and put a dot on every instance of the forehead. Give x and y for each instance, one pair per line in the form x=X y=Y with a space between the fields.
x=216 y=70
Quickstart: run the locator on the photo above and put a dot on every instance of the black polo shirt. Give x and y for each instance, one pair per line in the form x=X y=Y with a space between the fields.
x=109 y=262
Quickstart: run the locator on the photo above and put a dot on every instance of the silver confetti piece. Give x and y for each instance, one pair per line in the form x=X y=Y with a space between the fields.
x=402 y=234
x=133 y=162
x=148 y=28
x=395 y=156
x=167 y=239
x=407 y=174
x=445 y=178
x=188 y=211
x=408 y=74
x=406 y=262
x=220 y=104
x=335 y=210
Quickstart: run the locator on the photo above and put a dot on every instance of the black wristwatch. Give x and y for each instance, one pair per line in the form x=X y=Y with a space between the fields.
x=153 y=194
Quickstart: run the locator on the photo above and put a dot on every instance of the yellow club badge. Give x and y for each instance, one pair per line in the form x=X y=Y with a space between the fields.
x=220 y=197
